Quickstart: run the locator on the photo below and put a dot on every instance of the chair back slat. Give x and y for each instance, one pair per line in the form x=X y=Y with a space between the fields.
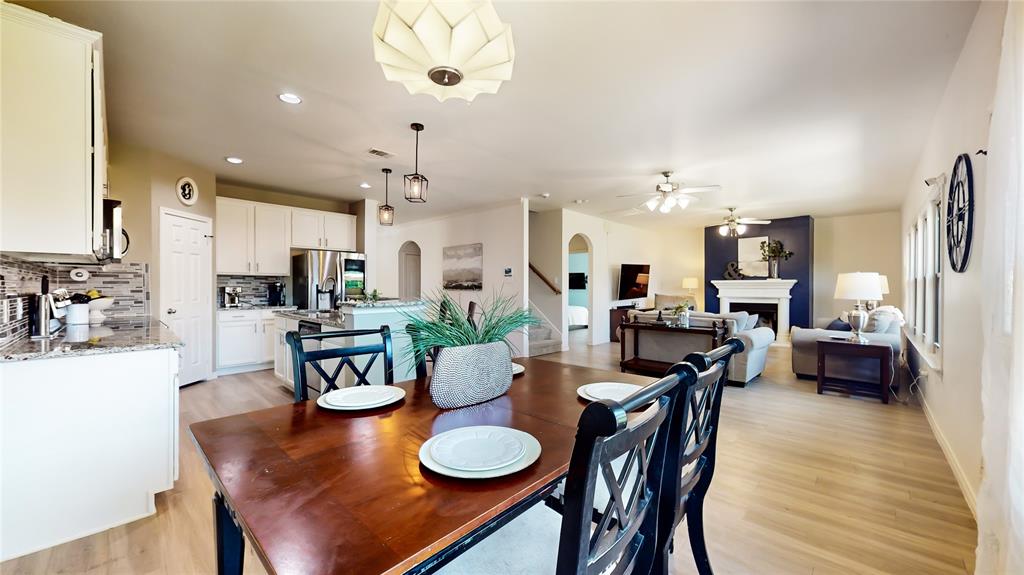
x=626 y=453
x=344 y=355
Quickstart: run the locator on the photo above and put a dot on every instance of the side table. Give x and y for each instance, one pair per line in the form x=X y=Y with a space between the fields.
x=879 y=351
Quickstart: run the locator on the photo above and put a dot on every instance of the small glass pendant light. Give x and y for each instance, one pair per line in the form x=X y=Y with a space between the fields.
x=385 y=213
x=416 y=183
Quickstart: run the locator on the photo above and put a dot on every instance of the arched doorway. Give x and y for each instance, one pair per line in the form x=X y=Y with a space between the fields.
x=580 y=309
x=409 y=271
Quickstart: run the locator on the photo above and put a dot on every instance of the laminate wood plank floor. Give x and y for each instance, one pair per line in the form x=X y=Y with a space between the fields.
x=805 y=484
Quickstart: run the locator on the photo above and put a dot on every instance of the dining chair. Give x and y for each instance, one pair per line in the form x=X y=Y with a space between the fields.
x=622 y=537
x=690 y=463
x=316 y=358
x=471 y=312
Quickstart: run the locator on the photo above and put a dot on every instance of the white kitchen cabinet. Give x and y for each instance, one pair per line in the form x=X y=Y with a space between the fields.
x=271 y=249
x=323 y=230
x=268 y=340
x=51 y=136
x=307 y=229
x=252 y=238
x=282 y=351
x=238 y=342
x=339 y=232
x=234 y=236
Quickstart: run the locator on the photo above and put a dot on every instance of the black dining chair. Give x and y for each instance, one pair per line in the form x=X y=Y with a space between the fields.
x=344 y=355
x=621 y=536
x=690 y=463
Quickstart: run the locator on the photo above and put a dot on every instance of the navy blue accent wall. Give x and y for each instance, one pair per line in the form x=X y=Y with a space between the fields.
x=797 y=235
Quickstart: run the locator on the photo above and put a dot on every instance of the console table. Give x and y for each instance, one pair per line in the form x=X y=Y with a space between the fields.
x=715 y=334
x=879 y=351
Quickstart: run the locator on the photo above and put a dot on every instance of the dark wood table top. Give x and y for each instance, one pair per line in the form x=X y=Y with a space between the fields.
x=843 y=347
x=319 y=491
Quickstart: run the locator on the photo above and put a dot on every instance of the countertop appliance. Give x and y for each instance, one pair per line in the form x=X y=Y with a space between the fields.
x=322 y=278
x=46 y=310
x=232 y=296
x=275 y=294
x=309 y=328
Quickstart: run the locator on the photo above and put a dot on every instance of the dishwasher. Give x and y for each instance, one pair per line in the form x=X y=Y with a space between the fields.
x=309 y=328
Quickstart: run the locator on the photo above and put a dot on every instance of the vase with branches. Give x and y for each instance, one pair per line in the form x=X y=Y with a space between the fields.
x=772 y=251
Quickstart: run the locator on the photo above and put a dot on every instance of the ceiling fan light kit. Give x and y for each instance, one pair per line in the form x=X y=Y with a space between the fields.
x=443 y=48
x=735 y=227
x=668 y=195
x=416 y=183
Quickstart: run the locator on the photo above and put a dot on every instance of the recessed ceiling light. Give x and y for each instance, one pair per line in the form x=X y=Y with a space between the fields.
x=289 y=98
x=365 y=186
x=233 y=160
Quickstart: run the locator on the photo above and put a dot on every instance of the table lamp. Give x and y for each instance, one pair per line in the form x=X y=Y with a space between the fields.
x=885 y=291
x=690 y=286
x=858 y=286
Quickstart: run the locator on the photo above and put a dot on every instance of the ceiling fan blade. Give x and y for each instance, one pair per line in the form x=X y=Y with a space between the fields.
x=624 y=213
x=748 y=221
x=638 y=195
x=699 y=189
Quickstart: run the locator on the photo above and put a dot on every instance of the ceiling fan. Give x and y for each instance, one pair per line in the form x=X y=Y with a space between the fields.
x=669 y=194
x=734 y=226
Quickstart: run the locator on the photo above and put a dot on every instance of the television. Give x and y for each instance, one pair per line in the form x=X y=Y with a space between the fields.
x=577 y=280
x=634 y=280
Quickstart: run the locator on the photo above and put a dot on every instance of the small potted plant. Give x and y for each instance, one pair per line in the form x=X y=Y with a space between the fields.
x=472 y=358
x=772 y=251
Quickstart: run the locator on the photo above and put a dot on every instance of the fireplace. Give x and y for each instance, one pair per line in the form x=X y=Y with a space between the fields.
x=767 y=313
x=752 y=296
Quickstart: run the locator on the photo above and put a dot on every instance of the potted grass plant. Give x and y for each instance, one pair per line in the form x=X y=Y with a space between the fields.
x=472 y=357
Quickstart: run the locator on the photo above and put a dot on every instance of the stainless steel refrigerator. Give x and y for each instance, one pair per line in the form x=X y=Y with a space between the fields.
x=320 y=278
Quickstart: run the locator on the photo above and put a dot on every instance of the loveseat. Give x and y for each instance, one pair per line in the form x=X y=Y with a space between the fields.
x=805 y=347
x=671 y=347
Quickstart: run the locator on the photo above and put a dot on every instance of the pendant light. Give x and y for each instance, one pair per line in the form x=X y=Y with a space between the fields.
x=416 y=183
x=385 y=213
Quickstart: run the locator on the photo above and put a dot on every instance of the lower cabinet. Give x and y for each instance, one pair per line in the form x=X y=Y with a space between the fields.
x=247 y=340
x=282 y=353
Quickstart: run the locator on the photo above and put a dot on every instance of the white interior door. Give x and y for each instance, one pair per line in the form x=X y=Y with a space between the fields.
x=410 y=276
x=186 y=290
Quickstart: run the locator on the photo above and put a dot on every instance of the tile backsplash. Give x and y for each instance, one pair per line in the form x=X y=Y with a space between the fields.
x=254 y=288
x=127 y=283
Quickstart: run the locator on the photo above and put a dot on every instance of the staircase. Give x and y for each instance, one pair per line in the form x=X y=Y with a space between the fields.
x=542 y=340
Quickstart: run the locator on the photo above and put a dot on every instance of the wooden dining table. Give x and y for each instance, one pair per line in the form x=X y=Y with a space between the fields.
x=321 y=491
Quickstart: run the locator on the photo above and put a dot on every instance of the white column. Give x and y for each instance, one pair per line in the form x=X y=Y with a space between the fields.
x=782 y=333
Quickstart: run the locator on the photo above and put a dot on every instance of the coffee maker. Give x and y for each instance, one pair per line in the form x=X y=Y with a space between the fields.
x=232 y=296
x=275 y=294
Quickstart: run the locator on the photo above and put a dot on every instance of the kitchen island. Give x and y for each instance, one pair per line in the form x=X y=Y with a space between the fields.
x=89 y=431
x=348 y=317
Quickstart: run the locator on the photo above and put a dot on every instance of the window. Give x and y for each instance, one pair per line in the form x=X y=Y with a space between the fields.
x=923 y=256
x=936 y=232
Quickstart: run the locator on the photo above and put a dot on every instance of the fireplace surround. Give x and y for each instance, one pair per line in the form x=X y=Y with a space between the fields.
x=764 y=293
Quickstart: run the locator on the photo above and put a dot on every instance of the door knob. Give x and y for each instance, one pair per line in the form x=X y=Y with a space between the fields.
x=171 y=310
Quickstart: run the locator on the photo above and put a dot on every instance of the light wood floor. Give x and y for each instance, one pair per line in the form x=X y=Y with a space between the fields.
x=804 y=484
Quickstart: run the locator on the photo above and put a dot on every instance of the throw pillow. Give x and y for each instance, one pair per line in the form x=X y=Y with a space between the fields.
x=839 y=325
x=751 y=322
x=879 y=321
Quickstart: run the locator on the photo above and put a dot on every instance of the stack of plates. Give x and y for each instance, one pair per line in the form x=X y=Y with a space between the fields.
x=518 y=368
x=361 y=397
x=479 y=452
x=607 y=390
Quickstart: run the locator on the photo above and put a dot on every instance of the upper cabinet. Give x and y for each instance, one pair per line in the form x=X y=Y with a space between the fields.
x=51 y=127
x=323 y=230
x=252 y=238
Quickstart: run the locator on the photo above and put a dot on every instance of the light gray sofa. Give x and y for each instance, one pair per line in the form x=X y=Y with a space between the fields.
x=805 y=353
x=671 y=347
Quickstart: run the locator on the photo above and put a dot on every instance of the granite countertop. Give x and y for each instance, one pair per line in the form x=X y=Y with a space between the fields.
x=384 y=303
x=328 y=318
x=115 y=335
x=248 y=307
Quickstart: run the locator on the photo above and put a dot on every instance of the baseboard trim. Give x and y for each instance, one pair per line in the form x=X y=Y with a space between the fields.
x=954 y=463
x=244 y=368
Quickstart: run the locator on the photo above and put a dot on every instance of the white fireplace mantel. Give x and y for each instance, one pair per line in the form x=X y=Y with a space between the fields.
x=758 y=291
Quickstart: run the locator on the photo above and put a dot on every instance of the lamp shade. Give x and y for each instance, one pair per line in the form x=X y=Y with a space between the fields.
x=859 y=286
x=643 y=279
x=443 y=48
x=885 y=284
x=690 y=283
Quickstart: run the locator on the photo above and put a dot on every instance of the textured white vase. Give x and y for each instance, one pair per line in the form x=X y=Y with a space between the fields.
x=470 y=374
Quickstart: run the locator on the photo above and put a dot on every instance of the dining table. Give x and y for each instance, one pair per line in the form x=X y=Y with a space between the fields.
x=322 y=491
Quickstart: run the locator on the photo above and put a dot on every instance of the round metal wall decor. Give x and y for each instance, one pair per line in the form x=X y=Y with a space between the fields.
x=188 y=191
x=960 y=214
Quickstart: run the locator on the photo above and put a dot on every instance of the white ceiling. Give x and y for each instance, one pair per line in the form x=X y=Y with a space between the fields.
x=794 y=108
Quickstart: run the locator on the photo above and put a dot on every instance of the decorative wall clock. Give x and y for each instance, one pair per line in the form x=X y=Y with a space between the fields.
x=188 y=191
x=960 y=214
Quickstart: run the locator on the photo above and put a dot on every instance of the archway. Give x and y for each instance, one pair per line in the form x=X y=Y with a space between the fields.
x=409 y=271
x=579 y=310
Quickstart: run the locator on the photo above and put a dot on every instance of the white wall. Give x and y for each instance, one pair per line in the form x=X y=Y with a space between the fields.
x=545 y=235
x=952 y=397
x=503 y=232
x=858 y=243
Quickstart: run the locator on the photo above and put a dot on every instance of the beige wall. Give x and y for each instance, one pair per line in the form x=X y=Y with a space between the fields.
x=545 y=234
x=952 y=396
x=859 y=243
x=254 y=194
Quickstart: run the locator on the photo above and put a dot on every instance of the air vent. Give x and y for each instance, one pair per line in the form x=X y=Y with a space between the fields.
x=380 y=153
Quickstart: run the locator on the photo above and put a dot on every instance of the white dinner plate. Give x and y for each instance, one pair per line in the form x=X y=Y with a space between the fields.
x=477 y=448
x=607 y=390
x=530 y=455
x=518 y=368
x=381 y=394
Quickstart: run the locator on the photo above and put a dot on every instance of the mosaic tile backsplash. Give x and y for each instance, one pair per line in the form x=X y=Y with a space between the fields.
x=127 y=283
x=254 y=288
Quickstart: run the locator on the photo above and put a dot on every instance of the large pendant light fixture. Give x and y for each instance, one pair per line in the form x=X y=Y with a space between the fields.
x=416 y=183
x=386 y=213
x=445 y=48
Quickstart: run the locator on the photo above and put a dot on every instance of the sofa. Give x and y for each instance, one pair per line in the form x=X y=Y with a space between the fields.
x=671 y=347
x=805 y=348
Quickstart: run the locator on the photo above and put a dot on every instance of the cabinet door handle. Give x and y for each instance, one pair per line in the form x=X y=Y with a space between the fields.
x=171 y=310
x=248 y=266
x=327 y=242
x=257 y=266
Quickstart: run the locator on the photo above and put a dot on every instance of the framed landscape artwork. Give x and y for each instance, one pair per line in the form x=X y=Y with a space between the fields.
x=462 y=267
